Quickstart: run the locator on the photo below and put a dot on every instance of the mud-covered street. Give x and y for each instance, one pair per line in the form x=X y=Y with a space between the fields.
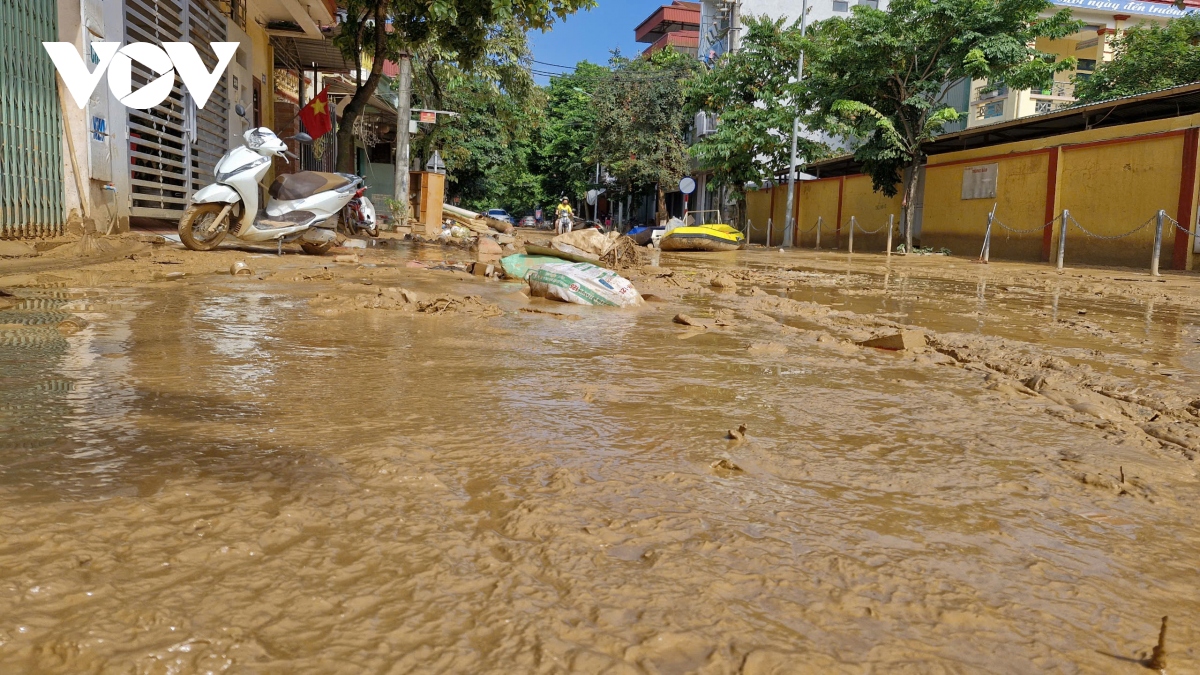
x=377 y=465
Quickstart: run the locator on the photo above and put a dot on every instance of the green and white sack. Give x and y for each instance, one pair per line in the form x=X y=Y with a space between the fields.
x=582 y=284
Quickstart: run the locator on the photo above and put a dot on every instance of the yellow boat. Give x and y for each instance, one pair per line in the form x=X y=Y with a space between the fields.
x=717 y=237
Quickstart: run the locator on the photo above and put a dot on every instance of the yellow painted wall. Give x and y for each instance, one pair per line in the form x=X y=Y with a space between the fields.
x=959 y=224
x=871 y=209
x=1111 y=189
x=758 y=209
x=818 y=199
x=779 y=216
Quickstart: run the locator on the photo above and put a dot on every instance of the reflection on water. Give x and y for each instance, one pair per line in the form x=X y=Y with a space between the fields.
x=212 y=478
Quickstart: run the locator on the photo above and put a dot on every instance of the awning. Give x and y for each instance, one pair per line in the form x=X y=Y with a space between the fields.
x=338 y=88
x=299 y=53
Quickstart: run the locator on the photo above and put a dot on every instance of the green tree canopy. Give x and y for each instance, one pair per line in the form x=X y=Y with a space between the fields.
x=641 y=119
x=1146 y=57
x=881 y=77
x=567 y=149
x=751 y=93
x=488 y=146
x=462 y=28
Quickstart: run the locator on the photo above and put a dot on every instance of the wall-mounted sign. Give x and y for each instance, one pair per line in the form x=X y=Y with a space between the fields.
x=979 y=182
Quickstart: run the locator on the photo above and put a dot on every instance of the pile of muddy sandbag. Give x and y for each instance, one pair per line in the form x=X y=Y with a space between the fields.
x=576 y=282
x=591 y=243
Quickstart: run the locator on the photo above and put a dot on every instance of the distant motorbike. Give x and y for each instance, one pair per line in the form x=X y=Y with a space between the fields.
x=301 y=206
x=359 y=215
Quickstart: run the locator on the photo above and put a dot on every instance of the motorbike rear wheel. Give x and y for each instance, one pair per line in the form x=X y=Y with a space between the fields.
x=195 y=223
x=316 y=249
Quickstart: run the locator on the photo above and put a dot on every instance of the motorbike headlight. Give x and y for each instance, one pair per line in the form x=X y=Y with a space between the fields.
x=255 y=141
x=222 y=175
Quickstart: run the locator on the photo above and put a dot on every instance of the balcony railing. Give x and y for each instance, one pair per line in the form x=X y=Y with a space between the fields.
x=1057 y=90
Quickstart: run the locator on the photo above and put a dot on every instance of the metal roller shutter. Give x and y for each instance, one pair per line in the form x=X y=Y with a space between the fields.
x=31 y=170
x=173 y=147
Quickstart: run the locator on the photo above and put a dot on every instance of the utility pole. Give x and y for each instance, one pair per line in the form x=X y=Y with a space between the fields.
x=790 y=218
x=735 y=27
x=403 y=117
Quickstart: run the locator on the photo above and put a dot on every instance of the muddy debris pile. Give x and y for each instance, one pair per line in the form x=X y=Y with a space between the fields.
x=1080 y=394
x=404 y=300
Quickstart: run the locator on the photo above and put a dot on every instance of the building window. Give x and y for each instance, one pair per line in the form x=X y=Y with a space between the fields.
x=874 y=4
x=237 y=12
x=841 y=5
x=1086 y=64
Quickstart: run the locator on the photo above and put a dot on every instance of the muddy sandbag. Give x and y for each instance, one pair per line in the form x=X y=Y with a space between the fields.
x=518 y=265
x=582 y=284
x=590 y=243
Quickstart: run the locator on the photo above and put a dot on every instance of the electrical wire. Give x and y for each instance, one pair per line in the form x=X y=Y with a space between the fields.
x=554 y=65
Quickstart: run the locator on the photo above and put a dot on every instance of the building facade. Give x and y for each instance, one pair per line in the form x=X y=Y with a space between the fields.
x=676 y=25
x=105 y=165
x=1103 y=19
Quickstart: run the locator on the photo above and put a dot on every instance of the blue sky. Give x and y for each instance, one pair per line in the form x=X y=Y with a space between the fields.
x=591 y=35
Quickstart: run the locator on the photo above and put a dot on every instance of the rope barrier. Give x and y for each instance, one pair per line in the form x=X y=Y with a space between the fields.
x=1039 y=228
x=1180 y=227
x=1089 y=233
x=881 y=228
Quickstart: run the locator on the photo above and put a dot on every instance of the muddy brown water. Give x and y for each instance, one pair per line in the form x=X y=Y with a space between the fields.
x=211 y=477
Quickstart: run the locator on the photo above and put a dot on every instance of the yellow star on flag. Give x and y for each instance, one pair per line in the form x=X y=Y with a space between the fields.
x=318 y=107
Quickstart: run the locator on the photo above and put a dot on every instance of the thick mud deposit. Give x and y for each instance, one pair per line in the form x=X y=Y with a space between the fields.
x=375 y=467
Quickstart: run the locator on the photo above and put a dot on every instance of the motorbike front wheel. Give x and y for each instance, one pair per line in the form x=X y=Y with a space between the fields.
x=197 y=230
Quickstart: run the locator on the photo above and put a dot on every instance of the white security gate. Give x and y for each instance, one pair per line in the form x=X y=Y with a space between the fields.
x=173 y=147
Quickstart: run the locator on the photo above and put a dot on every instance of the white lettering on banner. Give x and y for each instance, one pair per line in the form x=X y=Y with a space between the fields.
x=164 y=61
x=1127 y=7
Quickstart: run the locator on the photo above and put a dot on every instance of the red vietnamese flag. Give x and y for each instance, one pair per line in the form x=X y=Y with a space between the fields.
x=316 y=117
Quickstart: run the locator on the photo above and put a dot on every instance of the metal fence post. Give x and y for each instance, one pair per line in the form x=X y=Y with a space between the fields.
x=853 y=224
x=987 y=237
x=1158 y=225
x=769 y=225
x=891 y=221
x=818 y=245
x=1062 y=238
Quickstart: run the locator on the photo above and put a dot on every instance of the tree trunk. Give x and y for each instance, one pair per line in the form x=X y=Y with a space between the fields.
x=358 y=103
x=907 y=214
x=661 y=216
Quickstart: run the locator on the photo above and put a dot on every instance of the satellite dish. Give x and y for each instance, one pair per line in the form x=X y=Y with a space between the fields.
x=592 y=196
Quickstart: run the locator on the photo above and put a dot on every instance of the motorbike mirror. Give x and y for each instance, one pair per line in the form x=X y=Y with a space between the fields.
x=303 y=137
x=241 y=112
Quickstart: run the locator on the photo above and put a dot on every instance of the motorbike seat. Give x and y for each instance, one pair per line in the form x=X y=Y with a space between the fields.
x=304 y=184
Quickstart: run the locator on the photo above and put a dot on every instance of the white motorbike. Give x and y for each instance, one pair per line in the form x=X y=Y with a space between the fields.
x=302 y=206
